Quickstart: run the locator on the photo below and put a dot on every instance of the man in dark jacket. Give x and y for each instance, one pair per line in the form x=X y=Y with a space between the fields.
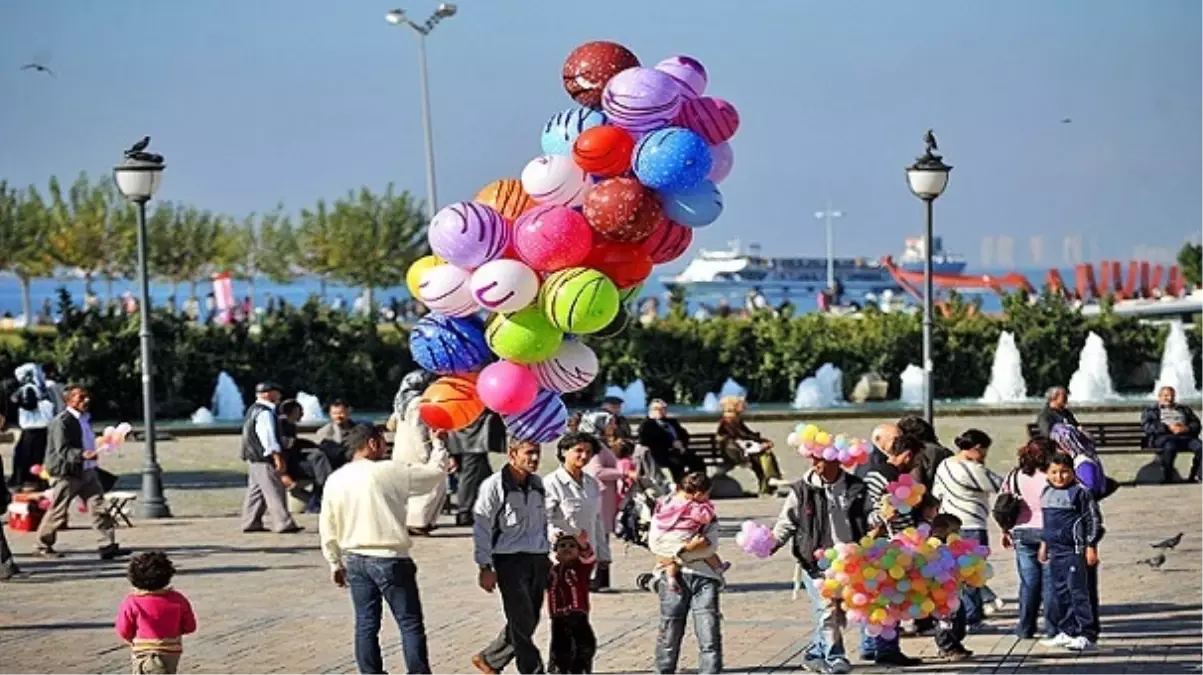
x=1055 y=412
x=926 y=462
x=1172 y=428
x=71 y=462
x=469 y=448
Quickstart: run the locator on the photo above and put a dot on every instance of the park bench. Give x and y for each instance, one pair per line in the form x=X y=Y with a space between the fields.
x=1110 y=437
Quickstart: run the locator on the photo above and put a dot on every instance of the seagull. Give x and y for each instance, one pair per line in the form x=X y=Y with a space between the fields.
x=1065 y=120
x=930 y=139
x=1155 y=562
x=39 y=68
x=1169 y=544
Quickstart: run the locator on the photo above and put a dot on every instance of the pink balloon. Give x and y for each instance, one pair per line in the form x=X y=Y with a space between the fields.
x=551 y=237
x=831 y=454
x=714 y=119
x=723 y=158
x=506 y=387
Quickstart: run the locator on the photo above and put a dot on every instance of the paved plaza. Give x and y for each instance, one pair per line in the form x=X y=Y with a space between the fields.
x=265 y=602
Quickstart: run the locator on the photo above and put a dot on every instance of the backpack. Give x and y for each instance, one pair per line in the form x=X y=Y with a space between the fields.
x=634 y=520
x=1007 y=504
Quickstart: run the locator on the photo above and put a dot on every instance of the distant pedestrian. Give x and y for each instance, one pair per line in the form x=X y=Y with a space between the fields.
x=267 y=470
x=153 y=619
x=35 y=409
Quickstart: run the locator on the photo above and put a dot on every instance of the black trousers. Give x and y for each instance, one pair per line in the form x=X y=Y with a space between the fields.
x=1168 y=448
x=573 y=644
x=30 y=450
x=473 y=470
x=522 y=583
x=678 y=463
x=950 y=633
x=305 y=460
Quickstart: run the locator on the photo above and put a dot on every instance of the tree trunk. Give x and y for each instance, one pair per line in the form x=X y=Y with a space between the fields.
x=368 y=298
x=250 y=287
x=26 y=301
x=322 y=284
x=87 y=283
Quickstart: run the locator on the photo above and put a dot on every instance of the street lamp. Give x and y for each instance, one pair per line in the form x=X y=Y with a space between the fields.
x=138 y=177
x=927 y=178
x=397 y=17
x=827 y=214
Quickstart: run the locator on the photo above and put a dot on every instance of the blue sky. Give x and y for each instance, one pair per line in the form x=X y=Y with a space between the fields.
x=255 y=103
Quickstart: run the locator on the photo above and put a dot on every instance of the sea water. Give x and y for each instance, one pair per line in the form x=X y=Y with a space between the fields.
x=1006 y=374
x=1092 y=380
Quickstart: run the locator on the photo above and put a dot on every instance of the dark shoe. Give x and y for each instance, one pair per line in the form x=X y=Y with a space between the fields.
x=254 y=530
x=292 y=530
x=11 y=572
x=601 y=580
x=463 y=520
x=112 y=551
x=48 y=554
x=897 y=660
x=478 y=662
x=956 y=655
x=644 y=582
x=814 y=664
x=418 y=531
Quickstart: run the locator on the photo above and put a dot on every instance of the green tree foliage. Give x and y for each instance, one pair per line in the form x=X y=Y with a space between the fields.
x=260 y=246
x=79 y=227
x=376 y=238
x=1190 y=260
x=24 y=233
x=317 y=244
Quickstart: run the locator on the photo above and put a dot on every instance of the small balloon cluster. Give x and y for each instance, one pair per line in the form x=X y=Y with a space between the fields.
x=812 y=441
x=904 y=494
x=755 y=539
x=911 y=576
x=113 y=438
x=624 y=178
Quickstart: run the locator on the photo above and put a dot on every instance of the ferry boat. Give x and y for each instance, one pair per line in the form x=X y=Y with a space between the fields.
x=912 y=257
x=735 y=270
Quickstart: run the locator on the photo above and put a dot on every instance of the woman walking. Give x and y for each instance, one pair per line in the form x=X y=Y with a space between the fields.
x=1027 y=481
x=603 y=466
x=574 y=498
x=740 y=445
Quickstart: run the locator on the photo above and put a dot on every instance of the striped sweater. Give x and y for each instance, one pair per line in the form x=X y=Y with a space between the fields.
x=880 y=474
x=964 y=488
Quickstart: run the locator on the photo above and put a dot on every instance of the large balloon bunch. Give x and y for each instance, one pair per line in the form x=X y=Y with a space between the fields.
x=811 y=441
x=911 y=576
x=556 y=253
x=905 y=493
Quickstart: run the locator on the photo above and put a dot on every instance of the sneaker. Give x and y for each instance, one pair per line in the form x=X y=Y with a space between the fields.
x=1080 y=644
x=897 y=660
x=838 y=665
x=644 y=582
x=48 y=554
x=814 y=664
x=1058 y=640
x=1000 y=604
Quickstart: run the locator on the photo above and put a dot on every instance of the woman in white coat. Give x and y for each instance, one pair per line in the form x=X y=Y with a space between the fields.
x=573 y=497
x=412 y=444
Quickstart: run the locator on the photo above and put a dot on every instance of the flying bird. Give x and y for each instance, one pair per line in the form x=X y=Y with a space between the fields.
x=1155 y=562
x=1065 y=120
x=1168 y=544
x=38 y=68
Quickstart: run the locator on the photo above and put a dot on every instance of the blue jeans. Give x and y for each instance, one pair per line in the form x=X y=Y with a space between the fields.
x=973 y=598
x=829 y=618
x=1072 y=610
x=871 y=648
x=1033 y=583
x=393 y=580
x=696 y=595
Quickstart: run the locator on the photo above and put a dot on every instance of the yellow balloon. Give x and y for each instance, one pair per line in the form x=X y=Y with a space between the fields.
x=896 y=572
x=413 y=276
x=823 y=438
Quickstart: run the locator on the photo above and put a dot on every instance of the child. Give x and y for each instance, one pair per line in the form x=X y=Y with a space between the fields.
x=950 y=631
x=573 y=643
x=154 y=617
x=624 y=450
x=1073 y=526
x=682 y=517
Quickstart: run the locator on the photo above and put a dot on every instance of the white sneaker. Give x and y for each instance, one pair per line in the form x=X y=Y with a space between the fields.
x=1000 y=604
x=1059 y=640
x=1080 y=644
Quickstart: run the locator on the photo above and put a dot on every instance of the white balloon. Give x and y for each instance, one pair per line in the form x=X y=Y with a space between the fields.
x=571 y=368
x=504 y=286
x=556 y=179
x=445 y=289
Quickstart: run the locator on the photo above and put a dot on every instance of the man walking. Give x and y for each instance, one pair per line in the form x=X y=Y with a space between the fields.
x=509 y=536
x=71 y=463
x=364 y=538
x=267 y=471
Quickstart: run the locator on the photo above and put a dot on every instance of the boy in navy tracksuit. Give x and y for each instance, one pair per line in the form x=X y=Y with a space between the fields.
x=1073 y=526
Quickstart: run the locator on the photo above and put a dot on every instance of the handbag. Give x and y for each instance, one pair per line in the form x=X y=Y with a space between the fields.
x=1007 y=504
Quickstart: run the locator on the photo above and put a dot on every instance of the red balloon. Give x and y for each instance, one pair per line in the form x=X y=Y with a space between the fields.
x=668 y=241
x=621 y=209
x=627 y=265
x=604 y=151
x=590 y=66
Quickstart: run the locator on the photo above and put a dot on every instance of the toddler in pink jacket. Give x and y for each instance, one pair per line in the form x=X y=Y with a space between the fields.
x=154 y=617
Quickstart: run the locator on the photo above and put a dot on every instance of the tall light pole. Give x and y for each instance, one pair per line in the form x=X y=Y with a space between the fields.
x=138 y=177
x=927 y=178
x=827 y=214
x=397 y=17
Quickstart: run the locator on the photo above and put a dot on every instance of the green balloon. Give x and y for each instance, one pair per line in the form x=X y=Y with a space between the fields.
x=523 y=337
x=579 y=300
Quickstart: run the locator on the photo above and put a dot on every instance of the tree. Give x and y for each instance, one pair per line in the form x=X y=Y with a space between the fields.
x=24 y=221
x=120 y=238
x=164 y=250
x=376 y=238
x=79 y=224
x=1190 y=259
x=317 y=244
x=264 y=247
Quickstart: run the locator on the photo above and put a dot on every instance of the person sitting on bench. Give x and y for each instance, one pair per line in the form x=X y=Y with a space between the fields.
x=1172 y=428
x=304 y=459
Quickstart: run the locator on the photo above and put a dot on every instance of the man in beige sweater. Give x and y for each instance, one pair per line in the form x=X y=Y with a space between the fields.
x=365 y=540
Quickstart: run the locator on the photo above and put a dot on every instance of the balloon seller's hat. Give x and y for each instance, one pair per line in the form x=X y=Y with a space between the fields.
x=266 y=386
x=613 y=400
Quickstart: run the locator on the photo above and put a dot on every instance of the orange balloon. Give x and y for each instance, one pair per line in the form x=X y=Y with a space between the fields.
x=604 y=151
x=450 y=403
x=507 y=197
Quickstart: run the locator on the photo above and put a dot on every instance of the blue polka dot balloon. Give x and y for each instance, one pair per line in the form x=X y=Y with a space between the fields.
x=673 y=159
x=561 y=130
x=448 y=345
x=696 y=207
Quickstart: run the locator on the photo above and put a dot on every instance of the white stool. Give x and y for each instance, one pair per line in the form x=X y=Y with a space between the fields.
x=117 y=506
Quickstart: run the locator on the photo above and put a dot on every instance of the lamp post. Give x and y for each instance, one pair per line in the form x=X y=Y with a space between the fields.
x=827 y=214
x=138 y=177
x=397 y=17
x=927 y=178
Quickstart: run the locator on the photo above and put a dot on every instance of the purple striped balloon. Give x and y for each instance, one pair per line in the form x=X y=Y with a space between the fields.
x=544 y=421
x=715 y=119
x=468 y=234
x=641 y=99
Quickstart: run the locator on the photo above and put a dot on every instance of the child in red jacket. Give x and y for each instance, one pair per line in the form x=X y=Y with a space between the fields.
x=154 y=617
x=573 y=643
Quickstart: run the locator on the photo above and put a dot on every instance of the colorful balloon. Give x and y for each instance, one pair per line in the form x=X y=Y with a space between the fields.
x=642 y=99
x=562 y=130
x=446 y=345
x=668 y=241
x=544 y=421
x=722 y=160
x=604 y=151
x=697 y=207
x=526 y=336
x=688 y=72
x=755 y=539
x=715 y=119
x=672 y=159
x=413 y=276
x=550 y=238
x=468 y=234
x=504 y=286
x=450 y=403
x=616 y=327
x=572 y=368
x=626 y=265
x=506 y=387
x=555 y=179
x=590 y=66
x=506 y=197
x=446 y=289
x=579 y=300
x=621 y=209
